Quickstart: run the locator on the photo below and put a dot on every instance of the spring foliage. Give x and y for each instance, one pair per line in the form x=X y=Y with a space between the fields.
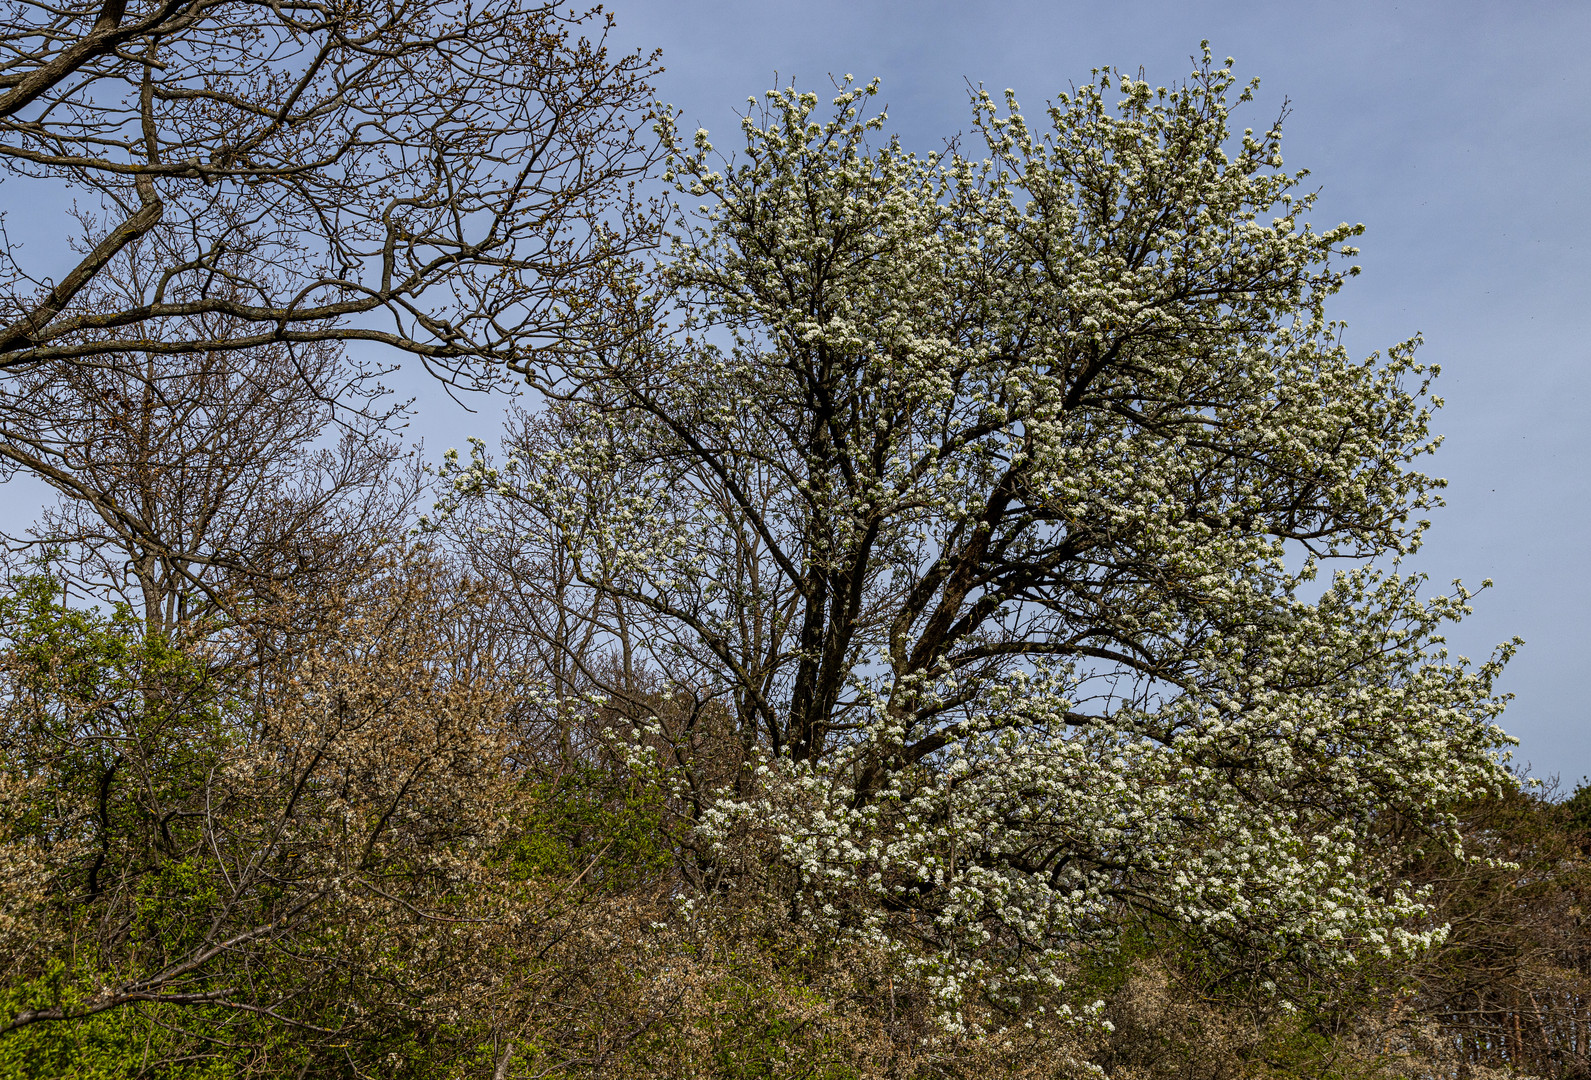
x=946 y=618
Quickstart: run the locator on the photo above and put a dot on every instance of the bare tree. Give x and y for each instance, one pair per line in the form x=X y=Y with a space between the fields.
x=189 y=483
x=446 y=178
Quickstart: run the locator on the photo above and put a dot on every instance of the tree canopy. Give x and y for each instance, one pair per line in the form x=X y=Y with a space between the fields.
x=989 y=495
x=937 y=615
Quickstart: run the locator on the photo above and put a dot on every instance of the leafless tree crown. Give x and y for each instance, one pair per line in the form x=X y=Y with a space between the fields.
x=444 y=177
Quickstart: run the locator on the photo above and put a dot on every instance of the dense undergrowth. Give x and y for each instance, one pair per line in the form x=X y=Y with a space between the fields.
x=544 y=911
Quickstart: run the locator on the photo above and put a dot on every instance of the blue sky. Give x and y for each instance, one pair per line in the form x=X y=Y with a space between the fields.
x=1459 y=133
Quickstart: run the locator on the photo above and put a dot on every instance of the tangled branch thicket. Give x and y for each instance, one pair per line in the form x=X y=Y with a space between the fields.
x=892 y=647
x=447 y=179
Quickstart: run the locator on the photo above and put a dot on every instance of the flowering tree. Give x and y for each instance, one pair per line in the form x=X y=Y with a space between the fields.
x=988 y=495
